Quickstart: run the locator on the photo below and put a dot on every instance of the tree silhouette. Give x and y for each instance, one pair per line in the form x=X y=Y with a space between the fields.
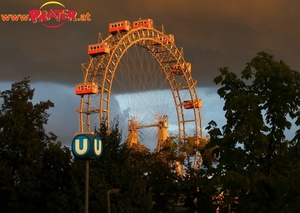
x=34 y=169
x=258 y=165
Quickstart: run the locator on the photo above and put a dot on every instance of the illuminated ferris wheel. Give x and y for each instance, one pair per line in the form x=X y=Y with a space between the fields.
x=138 y=74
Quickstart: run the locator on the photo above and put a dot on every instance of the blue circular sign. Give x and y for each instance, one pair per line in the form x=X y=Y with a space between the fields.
x=87 y=146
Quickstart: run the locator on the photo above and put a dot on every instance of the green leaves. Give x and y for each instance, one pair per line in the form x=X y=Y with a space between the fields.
x=253 y=141
x=33 y=166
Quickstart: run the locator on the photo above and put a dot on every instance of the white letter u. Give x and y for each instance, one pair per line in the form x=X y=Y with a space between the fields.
x=97 y=146
x=84 y=146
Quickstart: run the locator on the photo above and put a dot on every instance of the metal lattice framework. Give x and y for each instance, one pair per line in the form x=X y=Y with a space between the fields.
x=101 y=69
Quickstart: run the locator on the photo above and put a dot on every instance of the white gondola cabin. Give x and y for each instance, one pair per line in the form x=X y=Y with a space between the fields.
x=179 y=69
x=119 y=26
x=86 y=88
x=98 y=49
x=190 y=104
x=164 y=39
x=145 y=23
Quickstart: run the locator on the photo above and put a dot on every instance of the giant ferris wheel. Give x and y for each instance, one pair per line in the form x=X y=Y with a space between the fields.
x=138 y=74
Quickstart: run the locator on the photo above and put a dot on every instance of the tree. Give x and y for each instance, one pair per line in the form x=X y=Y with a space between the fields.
x=30 y=160
x=55 y=175
x=257 y=164
x=162 y=182
x=195 y=194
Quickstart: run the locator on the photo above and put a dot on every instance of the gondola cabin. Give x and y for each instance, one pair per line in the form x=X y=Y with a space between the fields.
x=190 y=104
x=121 y=26
x=164 y=39
x=86 y=88
x=145 y=23
x=98 y=49
x=178 y=69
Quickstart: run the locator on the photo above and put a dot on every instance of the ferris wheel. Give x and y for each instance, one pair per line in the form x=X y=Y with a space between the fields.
x=138 y=74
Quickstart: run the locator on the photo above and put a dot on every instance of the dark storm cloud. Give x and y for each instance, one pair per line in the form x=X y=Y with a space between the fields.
x=213 y=33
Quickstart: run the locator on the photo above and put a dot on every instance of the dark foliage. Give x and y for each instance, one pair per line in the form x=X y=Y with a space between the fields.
x=257 y=164
x=34 y=168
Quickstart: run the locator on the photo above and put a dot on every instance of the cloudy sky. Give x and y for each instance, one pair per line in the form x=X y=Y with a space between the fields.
x=214 y=34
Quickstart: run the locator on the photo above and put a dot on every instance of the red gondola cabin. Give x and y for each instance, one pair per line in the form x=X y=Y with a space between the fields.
x=119 y=26
x=145 y=23
x=98 y=49
x=178 y=69
x=190 y=104
x=86 y=88
x=164 y=39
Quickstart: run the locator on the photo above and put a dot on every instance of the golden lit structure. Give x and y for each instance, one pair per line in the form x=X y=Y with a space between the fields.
x=136 y=58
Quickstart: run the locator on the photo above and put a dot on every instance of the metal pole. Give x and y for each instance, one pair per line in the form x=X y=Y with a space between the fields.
x=87 y=186
x=108 y=197
x=108 y=202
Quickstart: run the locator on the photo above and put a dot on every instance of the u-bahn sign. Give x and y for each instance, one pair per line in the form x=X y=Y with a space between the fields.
x=87 y=146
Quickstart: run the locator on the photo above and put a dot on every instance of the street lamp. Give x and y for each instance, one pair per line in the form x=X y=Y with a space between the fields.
x=111 y=191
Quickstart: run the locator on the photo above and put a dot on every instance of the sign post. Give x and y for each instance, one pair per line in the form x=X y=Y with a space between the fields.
x=87 y=147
